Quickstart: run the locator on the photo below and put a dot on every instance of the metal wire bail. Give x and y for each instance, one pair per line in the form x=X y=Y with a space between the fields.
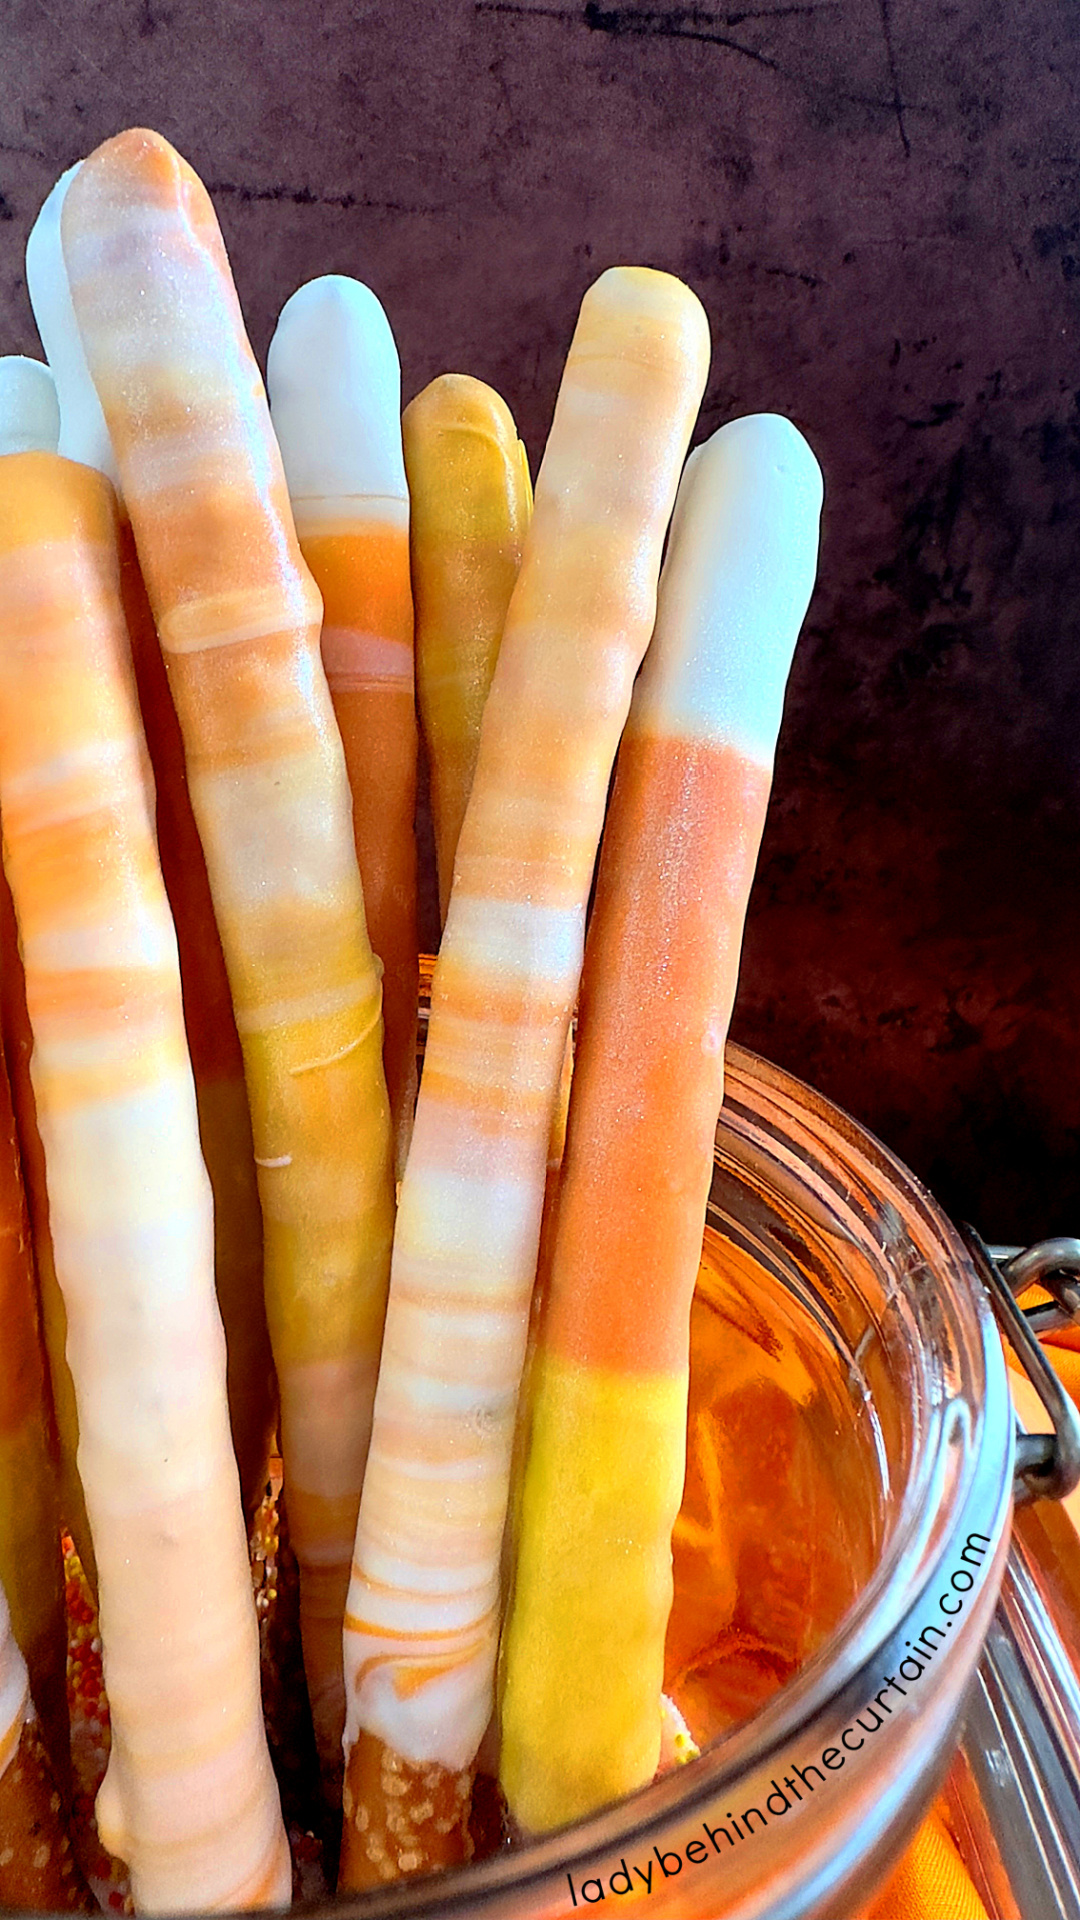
x=1047 y=1464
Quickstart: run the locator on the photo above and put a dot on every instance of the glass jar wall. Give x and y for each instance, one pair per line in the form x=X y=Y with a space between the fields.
x=838 y=1555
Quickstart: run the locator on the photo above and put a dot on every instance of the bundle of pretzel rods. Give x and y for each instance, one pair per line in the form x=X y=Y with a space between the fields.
x=227 y=1215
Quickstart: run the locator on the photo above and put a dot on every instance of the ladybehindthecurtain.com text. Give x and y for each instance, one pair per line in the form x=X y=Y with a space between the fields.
x=800 y=1782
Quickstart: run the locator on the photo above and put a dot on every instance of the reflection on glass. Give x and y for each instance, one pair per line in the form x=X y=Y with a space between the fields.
x=779 y=1524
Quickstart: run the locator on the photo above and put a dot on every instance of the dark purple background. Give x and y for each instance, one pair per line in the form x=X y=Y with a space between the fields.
x=878 y=203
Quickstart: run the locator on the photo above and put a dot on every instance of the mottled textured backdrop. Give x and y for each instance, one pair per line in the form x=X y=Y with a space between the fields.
x=878 y=202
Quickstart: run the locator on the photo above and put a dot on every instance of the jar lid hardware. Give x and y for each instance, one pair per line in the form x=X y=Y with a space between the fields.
x=1053 y=1265
x=1047 y=1464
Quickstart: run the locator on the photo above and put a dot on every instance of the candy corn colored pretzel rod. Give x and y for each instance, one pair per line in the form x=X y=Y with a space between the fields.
x=18 y=1047
x=238 y=617
x=31 y=1565
x=335 y=397
x=30 y=423
x=37 y=1868
x=217 y=1062
x=584 y=1643
x=471 y=498
x=471 y=503
x=423 y=1610
x=189 y=1800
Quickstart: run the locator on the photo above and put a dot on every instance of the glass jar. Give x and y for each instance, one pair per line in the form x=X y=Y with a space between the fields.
x=849 y=1384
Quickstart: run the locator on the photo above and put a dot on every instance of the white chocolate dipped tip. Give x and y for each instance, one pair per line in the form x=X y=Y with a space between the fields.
x=334 y=382
x=29 y=409
x=736 y=583
x=83 y=434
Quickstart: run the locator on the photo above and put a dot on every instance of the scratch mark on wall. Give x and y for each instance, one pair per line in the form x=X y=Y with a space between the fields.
x=894 y=77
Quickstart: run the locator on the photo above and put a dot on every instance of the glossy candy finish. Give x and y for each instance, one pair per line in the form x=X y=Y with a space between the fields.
x=423 y=1613
x=335 y=396
x=238 y=617
x=583 y=1647
x=189 y=1800
x=809 y=1209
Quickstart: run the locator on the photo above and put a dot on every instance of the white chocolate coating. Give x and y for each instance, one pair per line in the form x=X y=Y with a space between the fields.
x=334 y=382
x=189 y=1799
x=29 y=411
x=423 y=1616
x=238 y=617
x=737 y=581
x=83 y=434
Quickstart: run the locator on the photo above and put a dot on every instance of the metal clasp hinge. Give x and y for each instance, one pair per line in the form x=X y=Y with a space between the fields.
x=1047 y=1464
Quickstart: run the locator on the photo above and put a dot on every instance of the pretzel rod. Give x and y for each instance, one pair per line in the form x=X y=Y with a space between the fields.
x=584 y=1643
x=37 y=1867
x=189 y=1799
x=423 y=1612
x=18 y=1047
x=335 y=398
x=30 y=423
x=471 y=503
x=238 y=618
x=217 y=1062
x=31 y=1564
